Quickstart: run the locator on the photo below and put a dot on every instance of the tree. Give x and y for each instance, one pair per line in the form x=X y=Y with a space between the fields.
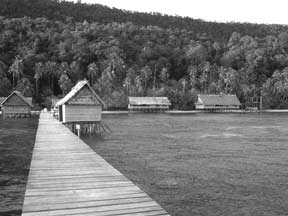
x=283 y=40
x=37 y=77
x=25 y=87
x=16 y=69
x=3 y=68
x=145 y=76
x=227 y=79
x=131 y=58
x=51 y=72
x=275 y=90
x=93 y=72
x=5 y=86
x=164 y=76
x=65 y=83
x=196 y=52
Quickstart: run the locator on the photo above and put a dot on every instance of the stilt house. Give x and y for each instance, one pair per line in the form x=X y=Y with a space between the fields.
x=16 y=105
x=81 y=105
x=149 y=104
x=217 y=102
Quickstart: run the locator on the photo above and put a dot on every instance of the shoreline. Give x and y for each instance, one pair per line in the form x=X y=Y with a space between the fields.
x=125 y=112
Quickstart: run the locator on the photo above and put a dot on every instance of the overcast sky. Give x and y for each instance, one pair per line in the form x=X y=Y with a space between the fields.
x=255 y=11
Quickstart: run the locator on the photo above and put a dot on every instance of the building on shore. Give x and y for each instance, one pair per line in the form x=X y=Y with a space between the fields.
x=148 y=104
x=53 y=108
x=16 y=106
x=81 y=104
x=215 y=103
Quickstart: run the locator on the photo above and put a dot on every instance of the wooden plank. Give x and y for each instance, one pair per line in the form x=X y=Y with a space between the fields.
x=94 y=203
x=150 y=211
x=36 y=200
x=68 y=178
x=45 y=192
x=97 y=209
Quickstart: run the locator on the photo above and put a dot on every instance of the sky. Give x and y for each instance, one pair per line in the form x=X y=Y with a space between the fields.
x=254 y=11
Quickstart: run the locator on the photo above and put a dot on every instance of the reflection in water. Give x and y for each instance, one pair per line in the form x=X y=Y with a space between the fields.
x=222 y=135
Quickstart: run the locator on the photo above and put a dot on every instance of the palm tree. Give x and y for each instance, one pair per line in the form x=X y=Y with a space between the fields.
x=38 y=74
x=16 y=69
x=3 y=67
x=37 y=77
x=51 y=69
x=25 y=87
x=93 y=72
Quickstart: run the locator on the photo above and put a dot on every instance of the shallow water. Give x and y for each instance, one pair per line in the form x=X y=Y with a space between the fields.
x=17 y=138
x=219 y=164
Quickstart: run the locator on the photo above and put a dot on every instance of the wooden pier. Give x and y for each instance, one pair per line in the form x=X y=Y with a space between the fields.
x=68 y=178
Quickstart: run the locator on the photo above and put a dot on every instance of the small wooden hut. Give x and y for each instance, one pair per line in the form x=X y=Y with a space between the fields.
x=81 y=106
x=214 y=103
x=149 y=104
x=54 y=109
x=16 y=106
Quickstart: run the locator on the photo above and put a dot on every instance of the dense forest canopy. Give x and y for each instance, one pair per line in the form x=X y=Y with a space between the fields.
x=46 y=46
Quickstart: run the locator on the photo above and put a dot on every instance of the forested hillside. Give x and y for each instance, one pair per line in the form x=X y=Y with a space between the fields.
x=46 y=46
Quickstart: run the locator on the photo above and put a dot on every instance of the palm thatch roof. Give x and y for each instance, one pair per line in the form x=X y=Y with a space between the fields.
x=2 y=99
x=73 y=92
x=149 y=101
x=26 y=100
x=218 y=100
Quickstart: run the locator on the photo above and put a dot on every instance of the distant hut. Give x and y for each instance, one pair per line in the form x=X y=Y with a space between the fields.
x=149 y=104
x=54 y=109
x=217 y=102
x=54 y=101
x=16 y=106
x=81 y=106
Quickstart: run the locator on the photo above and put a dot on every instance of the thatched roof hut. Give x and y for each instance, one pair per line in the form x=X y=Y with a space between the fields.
x=221 y=101
x=148 y=103
x=81 y=104
x=16 y=105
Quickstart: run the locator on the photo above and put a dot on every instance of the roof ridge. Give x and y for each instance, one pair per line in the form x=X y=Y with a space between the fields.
x=19 y=94
x=76 y=88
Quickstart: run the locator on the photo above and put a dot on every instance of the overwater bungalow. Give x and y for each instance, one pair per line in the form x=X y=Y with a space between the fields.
x=16 y=106
x=214 y=103
x=81 y=104
x=149 y=104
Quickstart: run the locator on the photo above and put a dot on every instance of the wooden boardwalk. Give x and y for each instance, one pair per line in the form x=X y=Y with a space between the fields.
x=68 y=178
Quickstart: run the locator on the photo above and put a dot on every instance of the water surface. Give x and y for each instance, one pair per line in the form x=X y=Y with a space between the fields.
x=203 y=164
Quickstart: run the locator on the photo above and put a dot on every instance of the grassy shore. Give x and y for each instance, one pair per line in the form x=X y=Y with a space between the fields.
x=203 y=164
x=17 y=138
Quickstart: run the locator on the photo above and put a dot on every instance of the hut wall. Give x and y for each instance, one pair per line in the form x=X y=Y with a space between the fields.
x=81 y=113
x=7 y=110
x=145 y=107
x=201 y=106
